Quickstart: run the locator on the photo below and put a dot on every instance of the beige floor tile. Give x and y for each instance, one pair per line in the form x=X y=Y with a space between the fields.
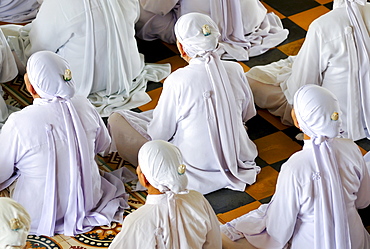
x=304 y=19
x=228 y=216
x=276 y=147
x=265 y=184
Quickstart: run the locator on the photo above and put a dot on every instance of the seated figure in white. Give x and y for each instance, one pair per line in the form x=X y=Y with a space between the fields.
x=246 y=28
x=97 y=38
x=319 y=188
x=202 y=110
x=173 y=216
x=334 y=55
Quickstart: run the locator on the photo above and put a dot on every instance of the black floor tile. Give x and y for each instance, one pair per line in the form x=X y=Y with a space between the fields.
x=266 y=200
x=364 y=143
x=261 y=162
x=292 y=132
x=225 y=200
x=329 y=5
x=270 y=56
x=291 y=7
x=295 y=32
x=277 y=165
x=154 y=51
x=153 y=85
x=259 y=127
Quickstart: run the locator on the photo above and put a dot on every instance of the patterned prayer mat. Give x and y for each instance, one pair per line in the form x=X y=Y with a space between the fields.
x=275 y=141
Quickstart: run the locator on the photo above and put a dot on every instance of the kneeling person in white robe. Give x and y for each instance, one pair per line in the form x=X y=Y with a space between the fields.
x=334 y=55
x=50 y=146
x=201 y=110
x=319 y=189
x=172 y=217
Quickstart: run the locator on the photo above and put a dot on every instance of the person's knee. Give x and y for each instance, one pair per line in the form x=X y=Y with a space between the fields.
x=114 y=120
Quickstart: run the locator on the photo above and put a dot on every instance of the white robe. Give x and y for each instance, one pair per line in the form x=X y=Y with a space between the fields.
x=57 y=202
x=8 y=71
x=289 y=217
x=18 y=11
x=157 y=19
x=259 y=29
x=181 y=118
x=149 y=226
x=98 y=44
x=325 y=59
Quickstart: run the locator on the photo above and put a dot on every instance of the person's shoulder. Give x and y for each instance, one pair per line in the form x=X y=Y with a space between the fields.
x=347 y=145
x=331 y=21
x=27 y=113
x=297 y=161
x=232 y=64
x=138 y=218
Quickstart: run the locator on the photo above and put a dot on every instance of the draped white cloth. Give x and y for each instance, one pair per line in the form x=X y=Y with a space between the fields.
x=14 y=224
x=246 y=28
x=51 y=146
x=97 y=38
x=149 y=226
x=8 y=71
x=318 y=115
x=161 y=164
x=331 y=56
x=18 y=11
x=157 y=19
x=319 y=188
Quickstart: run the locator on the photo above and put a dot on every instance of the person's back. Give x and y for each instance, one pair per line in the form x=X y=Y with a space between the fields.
x=51 y=146
x=319 y=188
x=327 y=59
x=185 y=121
x=299 y=172
x=98 y=39
x=173 y=216
x=68 y=19
x=194 y=214
x=28 y=129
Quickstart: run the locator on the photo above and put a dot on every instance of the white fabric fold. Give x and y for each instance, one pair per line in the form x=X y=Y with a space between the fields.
x=317 y=111
x=160 y=162
x=42 y=68
x=362 y=41
x=221 y=102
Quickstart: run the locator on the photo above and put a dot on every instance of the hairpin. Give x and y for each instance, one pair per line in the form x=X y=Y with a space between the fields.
x=206 y=30
x=67 y=75
x=15 y=224
x=181 y=169
x=334 y=116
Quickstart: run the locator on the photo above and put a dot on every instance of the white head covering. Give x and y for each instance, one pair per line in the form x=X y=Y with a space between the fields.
x=14 y=224
x=358 y=90
x=161 y=163
x=47 y=74
x=198 y=35
x=317 y=111
x=195 y=37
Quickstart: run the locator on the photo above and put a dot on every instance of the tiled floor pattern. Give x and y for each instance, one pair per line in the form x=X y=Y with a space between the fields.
x=275 y=141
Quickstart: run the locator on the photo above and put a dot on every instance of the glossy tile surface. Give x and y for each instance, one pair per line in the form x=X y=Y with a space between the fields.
x=275 y=141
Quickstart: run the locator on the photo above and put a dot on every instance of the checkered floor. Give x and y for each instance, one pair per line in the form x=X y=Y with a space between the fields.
x=275 y=141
